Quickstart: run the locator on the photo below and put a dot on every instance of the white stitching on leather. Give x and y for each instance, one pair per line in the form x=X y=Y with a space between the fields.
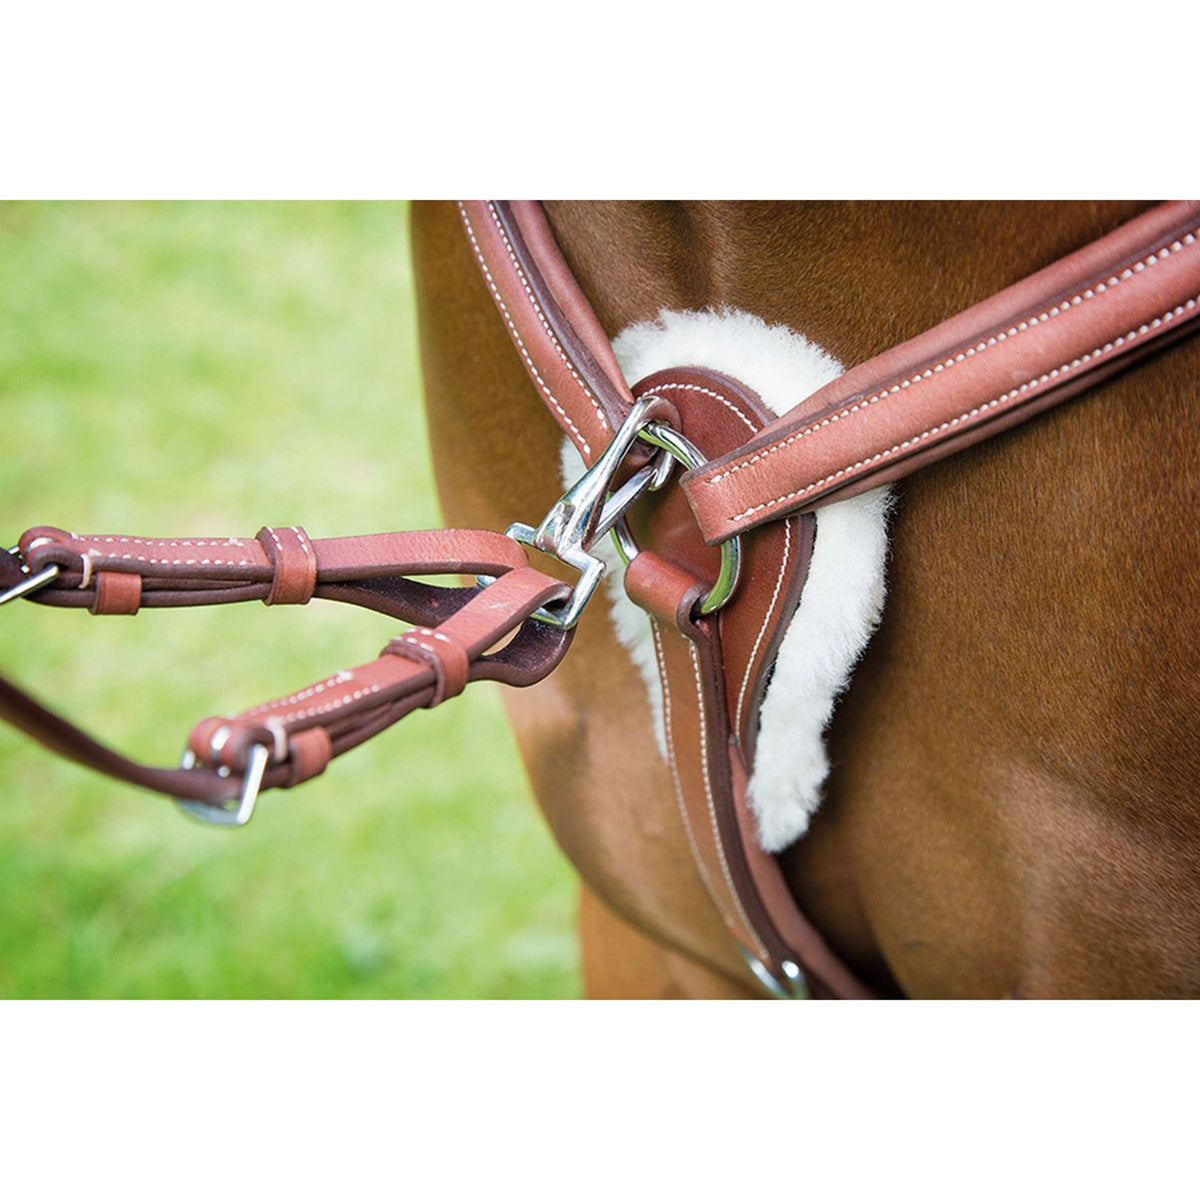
x=159 y=541
x=172 y=542
x=341 y=702
x=580 y=440
x=315 y=690
x=787 y=549
x=691 y=387
x=537 y=308
x=304 y=540
x=1056 y=373
x=679 y=801
x=712 y=810
x=1081 y=297
x=180 y=562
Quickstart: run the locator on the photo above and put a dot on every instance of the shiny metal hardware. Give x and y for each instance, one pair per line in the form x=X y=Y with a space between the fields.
x=793 y=986
x=232 y=813
x=683 y=451
x=31 y=583
x=585 y=512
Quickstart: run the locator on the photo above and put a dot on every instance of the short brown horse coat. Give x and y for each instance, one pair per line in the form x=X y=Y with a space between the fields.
x=1012 y=805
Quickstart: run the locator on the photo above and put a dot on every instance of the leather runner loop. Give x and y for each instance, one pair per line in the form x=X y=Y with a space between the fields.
x=667 y=592
x=116 y=594
x=447 y=658
x=309 y=753
x=295 y=561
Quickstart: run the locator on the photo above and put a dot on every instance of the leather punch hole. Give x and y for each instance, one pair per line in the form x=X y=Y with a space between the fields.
x=290 y=551
x=447 y=658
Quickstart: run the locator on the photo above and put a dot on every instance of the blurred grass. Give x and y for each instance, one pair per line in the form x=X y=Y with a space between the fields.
x=207 y=369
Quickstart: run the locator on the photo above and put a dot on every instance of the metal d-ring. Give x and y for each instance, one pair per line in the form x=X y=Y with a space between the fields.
x=683 y=451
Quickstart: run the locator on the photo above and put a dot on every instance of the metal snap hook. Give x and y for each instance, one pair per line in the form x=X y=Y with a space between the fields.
x=31 y=583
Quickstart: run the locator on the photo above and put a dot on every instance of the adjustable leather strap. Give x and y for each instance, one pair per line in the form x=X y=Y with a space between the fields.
x=457 y=629
x=1031 y=346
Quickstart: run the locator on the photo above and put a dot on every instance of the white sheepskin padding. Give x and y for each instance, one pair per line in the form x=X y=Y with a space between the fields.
x=843 y=598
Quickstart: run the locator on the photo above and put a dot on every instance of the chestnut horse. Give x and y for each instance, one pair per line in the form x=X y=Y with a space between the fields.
x=1013 y=803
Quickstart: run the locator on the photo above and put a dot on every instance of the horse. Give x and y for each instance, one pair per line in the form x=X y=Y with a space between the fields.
x=1011 y=804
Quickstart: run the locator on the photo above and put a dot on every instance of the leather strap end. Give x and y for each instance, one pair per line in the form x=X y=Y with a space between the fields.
x=309 y=752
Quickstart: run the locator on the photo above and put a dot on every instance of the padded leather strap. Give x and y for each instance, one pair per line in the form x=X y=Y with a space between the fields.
x=551 y=323
x=1031 y=346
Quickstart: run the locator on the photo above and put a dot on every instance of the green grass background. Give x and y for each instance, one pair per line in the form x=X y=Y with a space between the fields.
x=176 y=369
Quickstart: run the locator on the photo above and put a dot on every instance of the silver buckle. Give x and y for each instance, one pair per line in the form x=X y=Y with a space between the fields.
x=586 y=512
x=683 y=451
x=232 y=814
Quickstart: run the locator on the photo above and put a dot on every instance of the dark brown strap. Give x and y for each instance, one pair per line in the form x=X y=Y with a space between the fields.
x=1025 y=349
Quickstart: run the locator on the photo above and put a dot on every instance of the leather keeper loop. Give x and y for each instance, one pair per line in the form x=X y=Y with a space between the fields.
x=117 y=594
x=291 y=553
x=309 y=752
x=665 y=591
x=447 y=658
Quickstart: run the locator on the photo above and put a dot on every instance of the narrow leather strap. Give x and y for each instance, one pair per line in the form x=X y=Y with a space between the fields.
x=744 y=882
x=1033 y=345
x=307 y=728
x=394 y=683
x=185 y=572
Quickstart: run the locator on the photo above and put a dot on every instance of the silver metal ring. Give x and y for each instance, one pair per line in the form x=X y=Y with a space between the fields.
x=683 y=451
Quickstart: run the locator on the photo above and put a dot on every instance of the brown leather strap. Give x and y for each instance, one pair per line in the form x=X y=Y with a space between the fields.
x=552 y=326
x=458 y=628
x=1030 y=346
x=714 y=670
x=744 y=882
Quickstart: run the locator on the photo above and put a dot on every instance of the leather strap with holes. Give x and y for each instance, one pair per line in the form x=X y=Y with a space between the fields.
x=456 y=631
